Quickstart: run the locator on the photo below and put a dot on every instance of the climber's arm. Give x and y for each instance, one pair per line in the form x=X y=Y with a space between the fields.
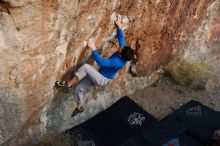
x=121 y=39
x=100 y=61
x=119 y=31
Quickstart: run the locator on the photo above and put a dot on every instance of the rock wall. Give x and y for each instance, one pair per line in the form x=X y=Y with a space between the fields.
x=204 y=46
x=43 y=41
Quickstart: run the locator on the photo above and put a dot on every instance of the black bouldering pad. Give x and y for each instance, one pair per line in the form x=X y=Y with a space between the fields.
x=82 y=136
x=134 y=141
x=183 y=139
x=161 y=132
x=115 y=126
x=200 y=120
x=127 y=124
x=168 y=133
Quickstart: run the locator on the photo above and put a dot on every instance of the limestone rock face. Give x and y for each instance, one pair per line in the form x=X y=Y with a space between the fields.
x=42 y=41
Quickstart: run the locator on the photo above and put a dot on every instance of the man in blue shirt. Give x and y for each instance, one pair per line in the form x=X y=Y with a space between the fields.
x=89 y=76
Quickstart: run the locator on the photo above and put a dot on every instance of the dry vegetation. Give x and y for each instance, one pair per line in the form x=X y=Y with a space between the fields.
x=194 y=75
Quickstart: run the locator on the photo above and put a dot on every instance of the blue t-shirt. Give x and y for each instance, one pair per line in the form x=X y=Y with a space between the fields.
x=109 y=67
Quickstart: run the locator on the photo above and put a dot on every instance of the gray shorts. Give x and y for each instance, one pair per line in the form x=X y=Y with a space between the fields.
x=88 y=77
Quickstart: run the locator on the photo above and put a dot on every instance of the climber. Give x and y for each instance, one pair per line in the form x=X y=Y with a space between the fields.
x=89 y=76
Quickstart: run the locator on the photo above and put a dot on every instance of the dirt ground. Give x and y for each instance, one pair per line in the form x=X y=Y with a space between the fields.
x=164 y=96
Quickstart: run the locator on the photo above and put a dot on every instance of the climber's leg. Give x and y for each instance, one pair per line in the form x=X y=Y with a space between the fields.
x=88 y=77
x=85 y=70
x=93 y=74
x=65 y=84
x=73 y=81
x=81 y=73
x=79 y=90
x=78 y=109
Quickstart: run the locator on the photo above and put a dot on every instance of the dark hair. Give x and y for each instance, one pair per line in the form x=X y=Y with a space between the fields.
x=127 y=53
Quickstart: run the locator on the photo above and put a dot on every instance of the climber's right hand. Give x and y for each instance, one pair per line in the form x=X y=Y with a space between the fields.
x=118 y=22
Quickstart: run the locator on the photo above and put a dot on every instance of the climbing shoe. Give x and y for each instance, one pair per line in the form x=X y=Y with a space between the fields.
x=76 y=111
x=62 y=84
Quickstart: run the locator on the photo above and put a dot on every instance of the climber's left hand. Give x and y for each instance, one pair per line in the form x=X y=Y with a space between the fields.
x=91 y=44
